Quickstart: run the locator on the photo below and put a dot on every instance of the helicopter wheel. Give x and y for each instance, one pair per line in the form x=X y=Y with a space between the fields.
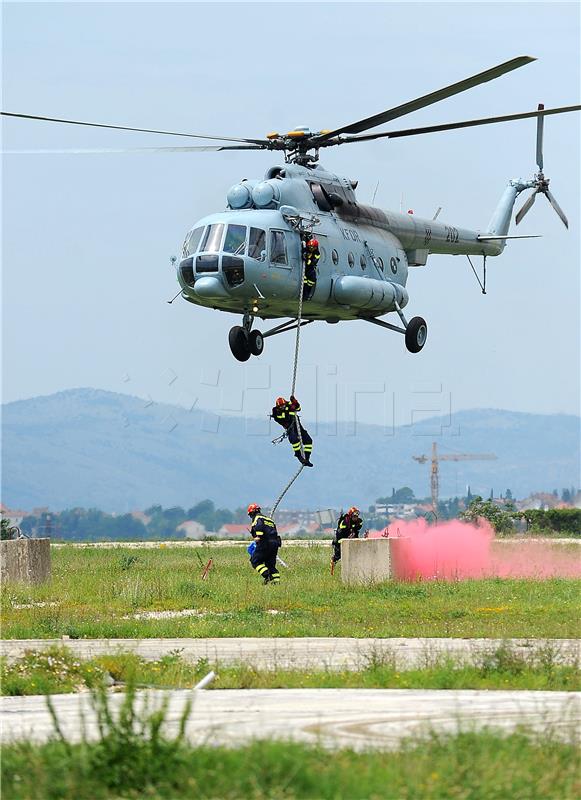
x=239 y=344
x=416 y=334
x=256 y=342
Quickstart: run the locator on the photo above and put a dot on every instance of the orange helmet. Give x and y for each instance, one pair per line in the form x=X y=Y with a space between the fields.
x=313 y=243
x=280 y=401
x=253 y=508
x=354 y=511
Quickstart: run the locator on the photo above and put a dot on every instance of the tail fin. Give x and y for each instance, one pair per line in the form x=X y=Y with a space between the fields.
x=500 y=222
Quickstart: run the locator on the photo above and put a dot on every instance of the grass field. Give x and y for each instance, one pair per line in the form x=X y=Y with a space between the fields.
x=134 y=758
x=97 y=593
x=58 y=670
x=465 y=767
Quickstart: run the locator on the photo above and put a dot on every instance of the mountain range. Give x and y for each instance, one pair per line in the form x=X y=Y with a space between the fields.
x=93 y=448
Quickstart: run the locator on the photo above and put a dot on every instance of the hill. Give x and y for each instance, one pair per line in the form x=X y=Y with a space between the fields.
x=87 y=447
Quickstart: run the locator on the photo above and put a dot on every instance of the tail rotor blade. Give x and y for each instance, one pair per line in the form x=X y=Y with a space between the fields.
x=540 y=127
x=557 y=208
x=526 y=207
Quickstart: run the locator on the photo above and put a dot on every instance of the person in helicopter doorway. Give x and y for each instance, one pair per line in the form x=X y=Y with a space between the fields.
x=311 y=255
x=267 y=541
x=285 y=413
x=348 y=527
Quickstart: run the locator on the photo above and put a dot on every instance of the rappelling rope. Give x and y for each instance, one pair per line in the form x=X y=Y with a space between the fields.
x=293 y=386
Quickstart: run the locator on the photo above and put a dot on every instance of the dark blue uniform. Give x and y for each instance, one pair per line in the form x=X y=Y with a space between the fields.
x=286 y=415
x=268 y=541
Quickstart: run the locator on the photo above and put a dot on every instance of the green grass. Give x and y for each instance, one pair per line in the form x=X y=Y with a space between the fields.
x=57 y=670
x=97 y=592
x=465 y=767
x=134 y=758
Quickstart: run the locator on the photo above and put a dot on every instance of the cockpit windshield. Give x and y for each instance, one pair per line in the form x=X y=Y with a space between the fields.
x=213 y=238
x=235 y=240
x=192 y=241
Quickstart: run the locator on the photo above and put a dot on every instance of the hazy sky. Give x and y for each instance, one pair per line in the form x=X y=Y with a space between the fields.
x=87 y=239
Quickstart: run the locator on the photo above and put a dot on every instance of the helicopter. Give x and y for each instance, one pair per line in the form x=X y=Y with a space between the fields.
x=248 y=259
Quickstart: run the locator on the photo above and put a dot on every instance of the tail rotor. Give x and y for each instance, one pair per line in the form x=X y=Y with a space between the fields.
x=540 y=183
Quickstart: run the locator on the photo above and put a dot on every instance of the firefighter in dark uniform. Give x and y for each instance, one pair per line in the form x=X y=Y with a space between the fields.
x=285 y=413
x=267 y=540
x=348 y=527
x=311 y=256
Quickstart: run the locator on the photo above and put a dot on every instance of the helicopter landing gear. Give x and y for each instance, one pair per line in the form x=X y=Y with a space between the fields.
x=239 y=344
x=416 y=334
x=415 y=331
x=245 y=342
x=256 y=342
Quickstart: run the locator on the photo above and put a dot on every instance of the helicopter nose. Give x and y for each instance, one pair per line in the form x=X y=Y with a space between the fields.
x=210 y=287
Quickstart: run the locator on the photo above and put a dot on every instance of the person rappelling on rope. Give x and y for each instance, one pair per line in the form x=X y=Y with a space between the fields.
x=348 y=527
x=311 y=256
x=285 y=413
x=267 y=542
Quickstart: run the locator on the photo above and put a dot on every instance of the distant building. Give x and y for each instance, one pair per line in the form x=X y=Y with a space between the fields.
x=14 y=515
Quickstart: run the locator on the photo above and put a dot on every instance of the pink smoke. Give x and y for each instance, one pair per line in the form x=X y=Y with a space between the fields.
x=457 y=550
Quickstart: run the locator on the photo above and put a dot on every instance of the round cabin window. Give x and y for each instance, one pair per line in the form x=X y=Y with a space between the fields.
x=362 y=261
x=335 y=257
x=350 y=259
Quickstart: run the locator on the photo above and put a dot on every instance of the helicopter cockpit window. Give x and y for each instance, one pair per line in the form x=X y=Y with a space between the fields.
x=277 y=248
x=192 y=241
x=350 y=259
x=213 y=238
x=235 y=240
x=256 y=243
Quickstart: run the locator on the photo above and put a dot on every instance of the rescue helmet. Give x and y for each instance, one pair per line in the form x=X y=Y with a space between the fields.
x=280 y=401
x=253 y=508
x=313 y=243
x=353 y=511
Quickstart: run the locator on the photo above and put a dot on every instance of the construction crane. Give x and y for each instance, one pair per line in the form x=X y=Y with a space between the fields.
x=436 y=458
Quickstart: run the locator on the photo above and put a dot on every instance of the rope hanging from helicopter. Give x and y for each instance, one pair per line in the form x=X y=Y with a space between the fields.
x=293 y=386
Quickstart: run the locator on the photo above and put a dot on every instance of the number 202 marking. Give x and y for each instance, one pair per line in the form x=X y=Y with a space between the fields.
x=451 y=234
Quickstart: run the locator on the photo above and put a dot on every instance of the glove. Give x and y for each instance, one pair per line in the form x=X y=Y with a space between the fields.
x=251 y=548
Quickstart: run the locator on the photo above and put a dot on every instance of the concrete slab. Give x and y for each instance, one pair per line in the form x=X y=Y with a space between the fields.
x=365 y=561
x=304 y=653
x=357 y=718
x=25 y=560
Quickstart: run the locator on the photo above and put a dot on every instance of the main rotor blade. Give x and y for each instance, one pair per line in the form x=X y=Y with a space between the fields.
x=526 y=207
x=91 y=151
x=127 y=128
x=540 y=124
x=428 y=99
x=557 y=208
x=450 y=126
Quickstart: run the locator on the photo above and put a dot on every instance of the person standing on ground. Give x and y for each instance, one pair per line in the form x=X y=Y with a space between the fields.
x=267 y=541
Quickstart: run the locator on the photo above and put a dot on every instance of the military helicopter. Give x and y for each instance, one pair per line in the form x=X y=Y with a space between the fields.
x=248 y=259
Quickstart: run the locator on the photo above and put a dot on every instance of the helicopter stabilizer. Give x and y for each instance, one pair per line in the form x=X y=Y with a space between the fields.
x=540 y=182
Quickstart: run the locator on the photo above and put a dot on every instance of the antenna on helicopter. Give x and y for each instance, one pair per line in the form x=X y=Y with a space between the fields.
x=541 y=183
x=375 y=193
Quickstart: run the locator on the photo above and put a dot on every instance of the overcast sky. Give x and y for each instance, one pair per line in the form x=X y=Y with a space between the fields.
x=87 y=239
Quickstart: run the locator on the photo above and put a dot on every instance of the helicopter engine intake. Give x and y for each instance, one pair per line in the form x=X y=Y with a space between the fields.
x=369 y=293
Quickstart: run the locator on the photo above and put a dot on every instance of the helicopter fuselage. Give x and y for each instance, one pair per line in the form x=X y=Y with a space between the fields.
x=248 y=258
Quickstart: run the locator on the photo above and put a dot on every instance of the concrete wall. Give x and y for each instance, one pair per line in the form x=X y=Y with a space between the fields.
x=365 y=560
x=25 y=560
